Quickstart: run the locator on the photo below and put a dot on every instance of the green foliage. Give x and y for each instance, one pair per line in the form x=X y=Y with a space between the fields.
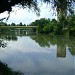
x=46 y=29
x=45 y=25
x=40 y=23
x=60 y=40
x=65 y=26
x=71 y=25
x=3 y=24
x=58 y=29
x=13 y=24
x=20 y=24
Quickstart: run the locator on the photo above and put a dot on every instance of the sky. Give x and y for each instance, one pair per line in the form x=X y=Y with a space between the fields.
x=26 y=16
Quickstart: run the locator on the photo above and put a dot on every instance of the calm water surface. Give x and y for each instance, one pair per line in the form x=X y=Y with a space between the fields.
x=37 y=55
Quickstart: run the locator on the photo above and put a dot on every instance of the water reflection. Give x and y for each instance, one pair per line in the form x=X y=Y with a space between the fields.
x=8 y=34
x=15 y=32
x=36 y=54
x=61 y=42
x=2 y=43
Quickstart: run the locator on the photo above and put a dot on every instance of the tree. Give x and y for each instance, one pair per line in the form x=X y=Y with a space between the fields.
x=13 y=24
x=47 y=29
x=3 y=24
x=71 y=25
x=41 y=23
x=20 y=24
x=24 y=25
x=62 y=6
x=6 y=5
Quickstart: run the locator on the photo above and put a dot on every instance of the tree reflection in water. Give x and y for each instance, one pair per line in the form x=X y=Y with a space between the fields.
x=2 y=43
x=62 y=42
x=5 y=70
x=6 y=34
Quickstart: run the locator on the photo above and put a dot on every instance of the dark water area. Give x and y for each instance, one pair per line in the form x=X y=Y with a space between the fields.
x=27 y=53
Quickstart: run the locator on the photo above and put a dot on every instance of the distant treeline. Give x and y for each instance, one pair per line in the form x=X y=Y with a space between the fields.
x=12 y=24
x=65 y=26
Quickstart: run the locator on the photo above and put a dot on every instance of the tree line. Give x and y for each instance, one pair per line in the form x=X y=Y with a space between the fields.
x=12 y=24
x=65 y=26
x=62 y=27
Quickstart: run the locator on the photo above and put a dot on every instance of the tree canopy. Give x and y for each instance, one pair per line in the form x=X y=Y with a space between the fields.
x=6 y=5
x=61 y=6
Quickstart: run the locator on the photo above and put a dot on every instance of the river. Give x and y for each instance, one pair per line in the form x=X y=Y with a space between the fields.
x=36 y=54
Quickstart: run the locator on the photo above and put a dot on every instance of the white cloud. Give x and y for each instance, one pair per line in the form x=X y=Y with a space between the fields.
x=27 y=16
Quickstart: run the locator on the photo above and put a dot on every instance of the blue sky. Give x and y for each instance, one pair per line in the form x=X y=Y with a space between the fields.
x=27 y=16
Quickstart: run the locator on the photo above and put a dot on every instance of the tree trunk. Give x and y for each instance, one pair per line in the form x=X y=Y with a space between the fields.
x=61 y=13
x=61 y=9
